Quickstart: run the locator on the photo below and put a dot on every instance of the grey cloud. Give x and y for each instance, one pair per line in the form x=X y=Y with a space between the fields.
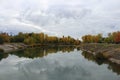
x=75 y=18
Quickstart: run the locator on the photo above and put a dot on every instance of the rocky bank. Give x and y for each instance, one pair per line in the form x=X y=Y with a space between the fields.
x=107 y=51
x=8 y=47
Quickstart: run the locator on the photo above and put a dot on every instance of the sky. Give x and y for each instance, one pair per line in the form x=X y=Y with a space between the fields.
x=60 y=17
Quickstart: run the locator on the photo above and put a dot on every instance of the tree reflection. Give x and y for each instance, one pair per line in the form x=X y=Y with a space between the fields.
x=38 y=52
x=2 y=56
x=44 y=51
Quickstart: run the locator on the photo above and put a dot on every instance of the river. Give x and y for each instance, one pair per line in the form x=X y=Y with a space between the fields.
x=55 y=63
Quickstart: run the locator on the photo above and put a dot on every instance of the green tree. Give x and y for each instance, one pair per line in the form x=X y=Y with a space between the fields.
x=29 y=41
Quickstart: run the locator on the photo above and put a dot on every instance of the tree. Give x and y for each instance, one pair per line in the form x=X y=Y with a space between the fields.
x=29 y=41
x=92 y=38
x=18 y=38
x=117 y=37
x=99 y=36
x=4 y=37
x=41 y=36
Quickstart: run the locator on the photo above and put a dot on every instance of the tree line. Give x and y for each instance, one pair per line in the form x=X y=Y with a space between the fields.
x=37 y=38
x=113 y=37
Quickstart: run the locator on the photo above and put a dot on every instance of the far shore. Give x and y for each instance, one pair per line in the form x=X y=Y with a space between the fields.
x=10 y=47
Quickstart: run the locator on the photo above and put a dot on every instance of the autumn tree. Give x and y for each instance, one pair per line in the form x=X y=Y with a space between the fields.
x=99 y=37
x=29 y=41
x=92 y=38
x=116 y=37
x=41 y=36
x=88 y=39
x=38 y=38
x=4 y=37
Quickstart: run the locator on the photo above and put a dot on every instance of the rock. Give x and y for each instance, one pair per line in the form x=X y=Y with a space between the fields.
x=8 y=47
x=115 y=60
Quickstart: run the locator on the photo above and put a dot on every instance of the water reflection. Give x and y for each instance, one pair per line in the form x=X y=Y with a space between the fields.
x=55 y=63
x=114 y=67
x=47 y=69
x=38 y=52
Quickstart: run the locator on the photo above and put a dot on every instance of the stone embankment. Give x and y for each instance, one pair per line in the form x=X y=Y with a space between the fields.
x=107 y=51
x=8 y=47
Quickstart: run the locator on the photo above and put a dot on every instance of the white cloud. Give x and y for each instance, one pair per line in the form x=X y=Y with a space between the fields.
x=61 y=17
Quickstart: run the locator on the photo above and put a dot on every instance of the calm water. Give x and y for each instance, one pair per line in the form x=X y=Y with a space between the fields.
x=59 y=63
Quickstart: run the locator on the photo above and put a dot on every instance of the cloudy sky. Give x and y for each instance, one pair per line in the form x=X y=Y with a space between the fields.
x=60 y=17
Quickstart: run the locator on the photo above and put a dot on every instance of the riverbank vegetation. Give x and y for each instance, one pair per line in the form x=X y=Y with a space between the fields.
x=98 y=44
x=103 y=47
x=37 y=38
x=111 y=38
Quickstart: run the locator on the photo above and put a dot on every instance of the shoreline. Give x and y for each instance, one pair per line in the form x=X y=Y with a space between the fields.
x=110 y=52
x=10 y=47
